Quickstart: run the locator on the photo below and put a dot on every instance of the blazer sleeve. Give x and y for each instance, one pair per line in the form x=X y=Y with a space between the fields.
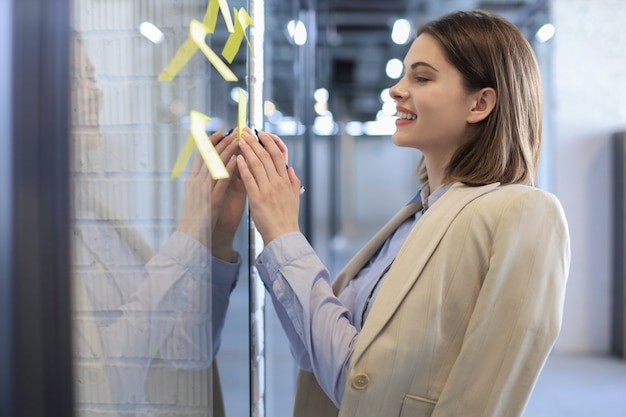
x=518 y=311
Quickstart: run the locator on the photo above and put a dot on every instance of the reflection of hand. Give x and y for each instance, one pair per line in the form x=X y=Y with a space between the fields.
x=229 y=208
x=273 y=189
x=214 y=205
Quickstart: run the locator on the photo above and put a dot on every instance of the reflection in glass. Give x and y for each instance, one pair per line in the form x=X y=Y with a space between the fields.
x=150 y=300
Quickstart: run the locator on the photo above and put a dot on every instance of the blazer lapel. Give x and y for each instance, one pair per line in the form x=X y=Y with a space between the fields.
x=412 y=258
x=353 y=267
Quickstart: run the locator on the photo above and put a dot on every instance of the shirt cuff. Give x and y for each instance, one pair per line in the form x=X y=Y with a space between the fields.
x=225 y=273
x=188 y=252
x=281 y=252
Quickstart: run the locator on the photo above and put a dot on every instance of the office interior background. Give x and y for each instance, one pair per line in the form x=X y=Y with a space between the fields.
x=77 y=180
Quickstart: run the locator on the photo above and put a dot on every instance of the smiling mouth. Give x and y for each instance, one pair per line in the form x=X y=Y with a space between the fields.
x=405 y=116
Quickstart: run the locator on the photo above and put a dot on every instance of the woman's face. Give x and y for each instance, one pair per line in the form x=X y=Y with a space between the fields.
x=432 y=104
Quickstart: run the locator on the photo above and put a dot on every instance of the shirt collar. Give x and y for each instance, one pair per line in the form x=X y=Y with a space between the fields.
x=427 y=198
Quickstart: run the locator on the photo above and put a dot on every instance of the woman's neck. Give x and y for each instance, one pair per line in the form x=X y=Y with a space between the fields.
x=436 y=175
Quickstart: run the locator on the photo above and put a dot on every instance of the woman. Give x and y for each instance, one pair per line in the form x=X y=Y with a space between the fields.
x=453 y=307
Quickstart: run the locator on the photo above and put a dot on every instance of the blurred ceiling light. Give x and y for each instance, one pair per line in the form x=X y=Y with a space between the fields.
x=354 y=128
x=401 y=31
x=297 y=32
x=325 y=125
x=545 y=32
x=385 y=96
x=389 y=108
x=151 y=32
x=394 y=68
x=321 y=108
x=378 y=128
x=269 y=108
x=234 y=94
x=289 y=126
x=321 y=95
x=275 y=117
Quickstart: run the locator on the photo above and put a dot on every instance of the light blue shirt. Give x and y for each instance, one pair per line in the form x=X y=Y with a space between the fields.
x=177 y=308
x=323 y=329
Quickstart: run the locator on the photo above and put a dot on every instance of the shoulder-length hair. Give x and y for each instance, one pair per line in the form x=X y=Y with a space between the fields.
x=489 y=51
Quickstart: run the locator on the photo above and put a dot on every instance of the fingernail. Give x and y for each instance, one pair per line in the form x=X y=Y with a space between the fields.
x=257 y=136
x=227 y=133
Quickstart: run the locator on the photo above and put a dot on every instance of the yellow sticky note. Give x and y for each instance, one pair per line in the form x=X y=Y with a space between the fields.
x=183 y=157
x=242 y=111
x=190 y=47
x=233 y=43
x=198 y=33
x=183 y=55
x=211 y=158
x=212 y=11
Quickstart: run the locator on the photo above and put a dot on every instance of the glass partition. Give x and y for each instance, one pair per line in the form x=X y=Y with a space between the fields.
x=154 y=316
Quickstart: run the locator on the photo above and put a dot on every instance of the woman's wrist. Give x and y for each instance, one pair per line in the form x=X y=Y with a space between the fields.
x=222 y=246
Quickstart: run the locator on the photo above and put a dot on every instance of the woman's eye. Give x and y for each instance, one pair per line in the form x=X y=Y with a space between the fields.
x=421 y=79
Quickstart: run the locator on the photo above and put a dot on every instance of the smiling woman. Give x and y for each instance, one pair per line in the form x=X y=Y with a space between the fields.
x=453 y=306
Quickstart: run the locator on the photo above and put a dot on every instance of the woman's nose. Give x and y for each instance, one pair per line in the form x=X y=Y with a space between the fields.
x=397 y=92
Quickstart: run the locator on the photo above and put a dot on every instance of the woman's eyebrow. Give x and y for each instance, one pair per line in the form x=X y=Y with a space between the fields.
x=423 y=64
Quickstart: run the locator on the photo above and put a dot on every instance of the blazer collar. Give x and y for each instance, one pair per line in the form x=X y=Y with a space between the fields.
x=413 y=256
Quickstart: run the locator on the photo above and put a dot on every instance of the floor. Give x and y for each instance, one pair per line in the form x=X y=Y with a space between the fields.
x=580 y=386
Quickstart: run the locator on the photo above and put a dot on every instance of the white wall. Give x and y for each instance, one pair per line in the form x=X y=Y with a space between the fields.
x=589 y=81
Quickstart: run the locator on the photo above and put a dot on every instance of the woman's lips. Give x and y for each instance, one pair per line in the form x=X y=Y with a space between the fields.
x=405 y=116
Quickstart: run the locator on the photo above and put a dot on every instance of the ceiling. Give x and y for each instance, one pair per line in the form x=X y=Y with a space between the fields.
x=353 y=45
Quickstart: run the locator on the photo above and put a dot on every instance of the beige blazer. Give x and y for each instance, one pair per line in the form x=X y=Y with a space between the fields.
x=466 y=316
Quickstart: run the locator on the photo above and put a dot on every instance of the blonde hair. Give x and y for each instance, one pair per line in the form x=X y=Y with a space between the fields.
x=489 y=51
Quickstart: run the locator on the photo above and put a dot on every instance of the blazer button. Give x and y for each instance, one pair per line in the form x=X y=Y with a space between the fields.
x=360 y=380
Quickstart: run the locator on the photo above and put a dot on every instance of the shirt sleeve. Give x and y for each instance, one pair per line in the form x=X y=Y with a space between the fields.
x=179 y=309
x=319 y=326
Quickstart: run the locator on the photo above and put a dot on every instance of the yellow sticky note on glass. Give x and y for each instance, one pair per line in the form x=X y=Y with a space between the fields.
x=212 y=11
x=183 y=55
x=198 y=33
x=242 y=111
x=233 y=43
x=211 y=158
x=193 y=43
x=183 y=157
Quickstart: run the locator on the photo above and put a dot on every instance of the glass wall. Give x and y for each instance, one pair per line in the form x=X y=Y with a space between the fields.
x=149 y=299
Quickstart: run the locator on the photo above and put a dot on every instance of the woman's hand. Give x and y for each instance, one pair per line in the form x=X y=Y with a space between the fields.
x=273 y=189
x=212 y=209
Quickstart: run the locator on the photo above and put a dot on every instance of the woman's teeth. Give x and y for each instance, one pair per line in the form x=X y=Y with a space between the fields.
x=406 y=116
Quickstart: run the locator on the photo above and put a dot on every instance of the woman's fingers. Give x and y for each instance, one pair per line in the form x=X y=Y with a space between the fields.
x=282 y=146
x=223 y=142
x=273 y=145
x=258 y=161
x=220 y=186
x=247 y=178
x=295 y=182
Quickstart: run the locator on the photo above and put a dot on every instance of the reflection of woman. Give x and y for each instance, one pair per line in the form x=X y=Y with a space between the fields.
x=144 y=320
x=452 y=308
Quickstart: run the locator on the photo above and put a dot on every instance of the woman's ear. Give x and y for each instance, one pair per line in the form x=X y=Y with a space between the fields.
x=483 y=103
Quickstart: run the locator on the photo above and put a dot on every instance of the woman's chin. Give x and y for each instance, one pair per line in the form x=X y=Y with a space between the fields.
x=401 y=140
